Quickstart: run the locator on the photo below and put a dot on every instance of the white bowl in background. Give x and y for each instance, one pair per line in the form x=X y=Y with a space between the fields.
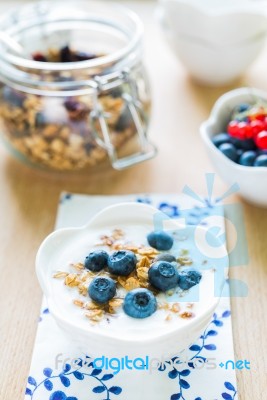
x=252 y=181
x=215 y=65
x=96 y=342
x=215 y=45
x=219 y=22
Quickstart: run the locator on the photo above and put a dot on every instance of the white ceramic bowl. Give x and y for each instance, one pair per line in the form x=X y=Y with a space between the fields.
x=221 y=22
x=252 y=181
x=158 y=343
x=212 y=64
x=216 y=47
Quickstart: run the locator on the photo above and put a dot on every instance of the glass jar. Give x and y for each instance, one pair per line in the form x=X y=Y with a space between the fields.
x=77 y=95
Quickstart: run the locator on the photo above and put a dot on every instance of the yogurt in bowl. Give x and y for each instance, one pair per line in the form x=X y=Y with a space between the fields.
x=181 y=313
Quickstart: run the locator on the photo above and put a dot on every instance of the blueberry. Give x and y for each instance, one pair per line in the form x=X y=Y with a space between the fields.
x=40 y=119
x=72 y=105
x=241 y=119
x=242 y=107
x=65 y=54
x=248 y=158
x=229 y=151
x=163 y=275
x=102 y=289
x=165 y=257
x=13 y=97
x=261 y=161
x=239 y=153
x=116 y=92
x=247 y=144
x=221 y=138
x=122 y=262
x=239 y=113
x=125 y=119
x=77 y=110
x=139 y=303
x=96 y=260
x=188 y=277
x=160 y=240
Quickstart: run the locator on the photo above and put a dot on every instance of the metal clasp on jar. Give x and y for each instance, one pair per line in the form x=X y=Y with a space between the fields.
x=147 y=149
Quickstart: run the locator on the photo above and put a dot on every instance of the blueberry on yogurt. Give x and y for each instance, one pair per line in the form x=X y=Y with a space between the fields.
x=102 y=289
x=139 y=303
x=163 y=275
x=96 y=260
x=122 y=262
x=160 y=240
x=189 y=277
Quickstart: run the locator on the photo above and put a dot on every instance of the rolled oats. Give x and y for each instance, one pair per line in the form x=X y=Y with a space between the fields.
x=60 y=274
x=186 y=315
x=95 y=315
x=71 y=280
x=175 y=307
x=78 y=303
x=184 y=260
x=168 y=317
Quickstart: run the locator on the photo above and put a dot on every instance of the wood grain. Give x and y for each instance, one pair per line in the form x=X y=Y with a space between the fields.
x=28 y=204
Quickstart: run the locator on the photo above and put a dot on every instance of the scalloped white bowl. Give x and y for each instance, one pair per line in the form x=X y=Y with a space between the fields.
x=215 y=43
x=252 y=181
x=96 y=342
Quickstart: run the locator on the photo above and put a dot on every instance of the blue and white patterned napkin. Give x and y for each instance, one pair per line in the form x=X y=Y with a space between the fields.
x=206 y=373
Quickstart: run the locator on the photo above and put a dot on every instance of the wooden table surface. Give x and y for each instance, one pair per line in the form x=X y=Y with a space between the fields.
x=28 y=205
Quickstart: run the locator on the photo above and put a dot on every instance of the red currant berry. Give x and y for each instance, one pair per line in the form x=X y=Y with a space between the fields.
x=233 y=129
x=261 y=140
x=257 y=127
x=260 y=117
x=243 y=127
x=248 y=131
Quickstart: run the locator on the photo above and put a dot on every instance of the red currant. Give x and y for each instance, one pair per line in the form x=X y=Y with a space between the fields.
x=260 y=117
x=261 y=140
x=257 y=127
x=245 y=131
x=248 y=131
x=240 y=130
x=233 y=129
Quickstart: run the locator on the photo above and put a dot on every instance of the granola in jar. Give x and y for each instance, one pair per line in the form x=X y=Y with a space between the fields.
x=75 y=99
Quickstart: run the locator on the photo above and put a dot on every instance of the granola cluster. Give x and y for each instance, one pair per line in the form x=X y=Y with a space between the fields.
x=80 y=278
x=56 y=132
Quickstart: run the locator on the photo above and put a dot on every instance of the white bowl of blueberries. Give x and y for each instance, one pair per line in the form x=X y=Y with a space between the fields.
x=235 y=136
